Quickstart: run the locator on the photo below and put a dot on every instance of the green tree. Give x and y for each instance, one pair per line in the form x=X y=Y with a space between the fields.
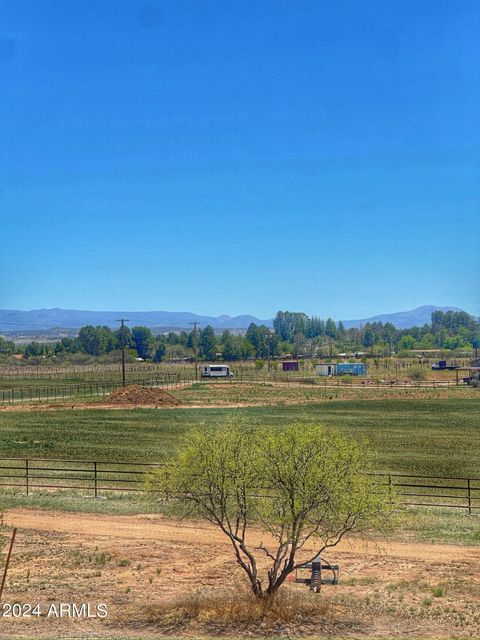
x=143 y=341
x=183 y=338
x=177 y=352
x=67 y=345
x=90 y=341
x=7 y=347
x=476 y=341
x=34 y=349
x=208 y=343
x=262 y=339
x=290 y=324
x=123 y=334
x=247 y=350
x=160 y=351
x=96 y=340
x=284 y=347
x=314 y=327
x=406 y=343
x=108 y=341
x=389 y=334
x=427 y=341
x=298 y=484
x=331 y=328
x=455 y=342
x=368 y=339
x=230 y=347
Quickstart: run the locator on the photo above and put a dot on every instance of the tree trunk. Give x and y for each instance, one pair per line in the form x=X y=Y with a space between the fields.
x=257 y=588
x=274 y=586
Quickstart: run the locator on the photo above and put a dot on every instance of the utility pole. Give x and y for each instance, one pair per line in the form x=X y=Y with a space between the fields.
x=122 y=338
x=195 y=346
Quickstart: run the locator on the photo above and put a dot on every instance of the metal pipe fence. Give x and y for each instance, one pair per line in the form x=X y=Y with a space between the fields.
x=52 y=372
x=99 y=387
x=89 y=389
x=426 y=491
x=88 y=476
x=94 y=477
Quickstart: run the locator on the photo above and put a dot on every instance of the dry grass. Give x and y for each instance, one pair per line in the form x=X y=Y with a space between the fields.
x=162 y=577
x=232 y=610
x=267 y=393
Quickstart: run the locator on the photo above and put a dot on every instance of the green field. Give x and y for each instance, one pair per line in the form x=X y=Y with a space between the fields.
x=432 y=436
x=429 y=436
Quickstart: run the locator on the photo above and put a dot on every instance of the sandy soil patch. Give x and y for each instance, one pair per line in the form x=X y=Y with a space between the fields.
x=137 y=564
x=135 y=394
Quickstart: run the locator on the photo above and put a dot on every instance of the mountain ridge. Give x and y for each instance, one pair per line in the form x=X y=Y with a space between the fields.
x=403 y=319
x=43 y=319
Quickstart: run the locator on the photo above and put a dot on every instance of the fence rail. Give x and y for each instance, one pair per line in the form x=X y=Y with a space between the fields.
x=454 y=492
x=93 y=477
x=99 y=387
x=89 y=389
x=47 y=371
x=27 y=474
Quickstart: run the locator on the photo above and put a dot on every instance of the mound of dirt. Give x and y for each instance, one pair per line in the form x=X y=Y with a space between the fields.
x=136 y=394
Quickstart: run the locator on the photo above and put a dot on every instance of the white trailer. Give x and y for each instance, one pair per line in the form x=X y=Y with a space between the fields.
x=216 y=371
x=325 y=369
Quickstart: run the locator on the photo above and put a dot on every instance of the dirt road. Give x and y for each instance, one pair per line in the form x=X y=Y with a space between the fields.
x=136 y=564
x=157 y=528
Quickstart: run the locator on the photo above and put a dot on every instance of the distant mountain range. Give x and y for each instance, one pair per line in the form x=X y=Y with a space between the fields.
x=44 y=319
x=47 y=319
x=403 y=319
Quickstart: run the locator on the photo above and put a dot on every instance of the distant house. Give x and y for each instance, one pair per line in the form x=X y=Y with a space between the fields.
x=325 y=369
x=290 y=366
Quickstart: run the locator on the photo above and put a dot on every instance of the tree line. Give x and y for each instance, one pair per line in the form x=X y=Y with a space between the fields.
x=292 y=333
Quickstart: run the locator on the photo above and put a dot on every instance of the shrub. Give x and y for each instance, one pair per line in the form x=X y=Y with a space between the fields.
x=417 y=374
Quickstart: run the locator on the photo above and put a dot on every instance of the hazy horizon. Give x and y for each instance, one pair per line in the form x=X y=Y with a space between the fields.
x=246 y=313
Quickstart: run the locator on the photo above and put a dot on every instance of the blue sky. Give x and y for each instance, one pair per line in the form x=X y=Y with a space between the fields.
x=240 y=157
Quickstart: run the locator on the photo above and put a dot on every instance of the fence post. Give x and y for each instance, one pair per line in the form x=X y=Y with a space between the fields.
x=26 y=476
x=95 y=479
x=7 y=561
x=469 y=492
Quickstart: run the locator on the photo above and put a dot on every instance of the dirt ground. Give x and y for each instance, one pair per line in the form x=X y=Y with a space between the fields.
x=229 y=395
x=137 y=394
x=138 y=564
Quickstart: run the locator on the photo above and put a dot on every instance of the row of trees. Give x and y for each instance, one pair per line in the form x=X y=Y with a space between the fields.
x=447 y=330
x=293 y=333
